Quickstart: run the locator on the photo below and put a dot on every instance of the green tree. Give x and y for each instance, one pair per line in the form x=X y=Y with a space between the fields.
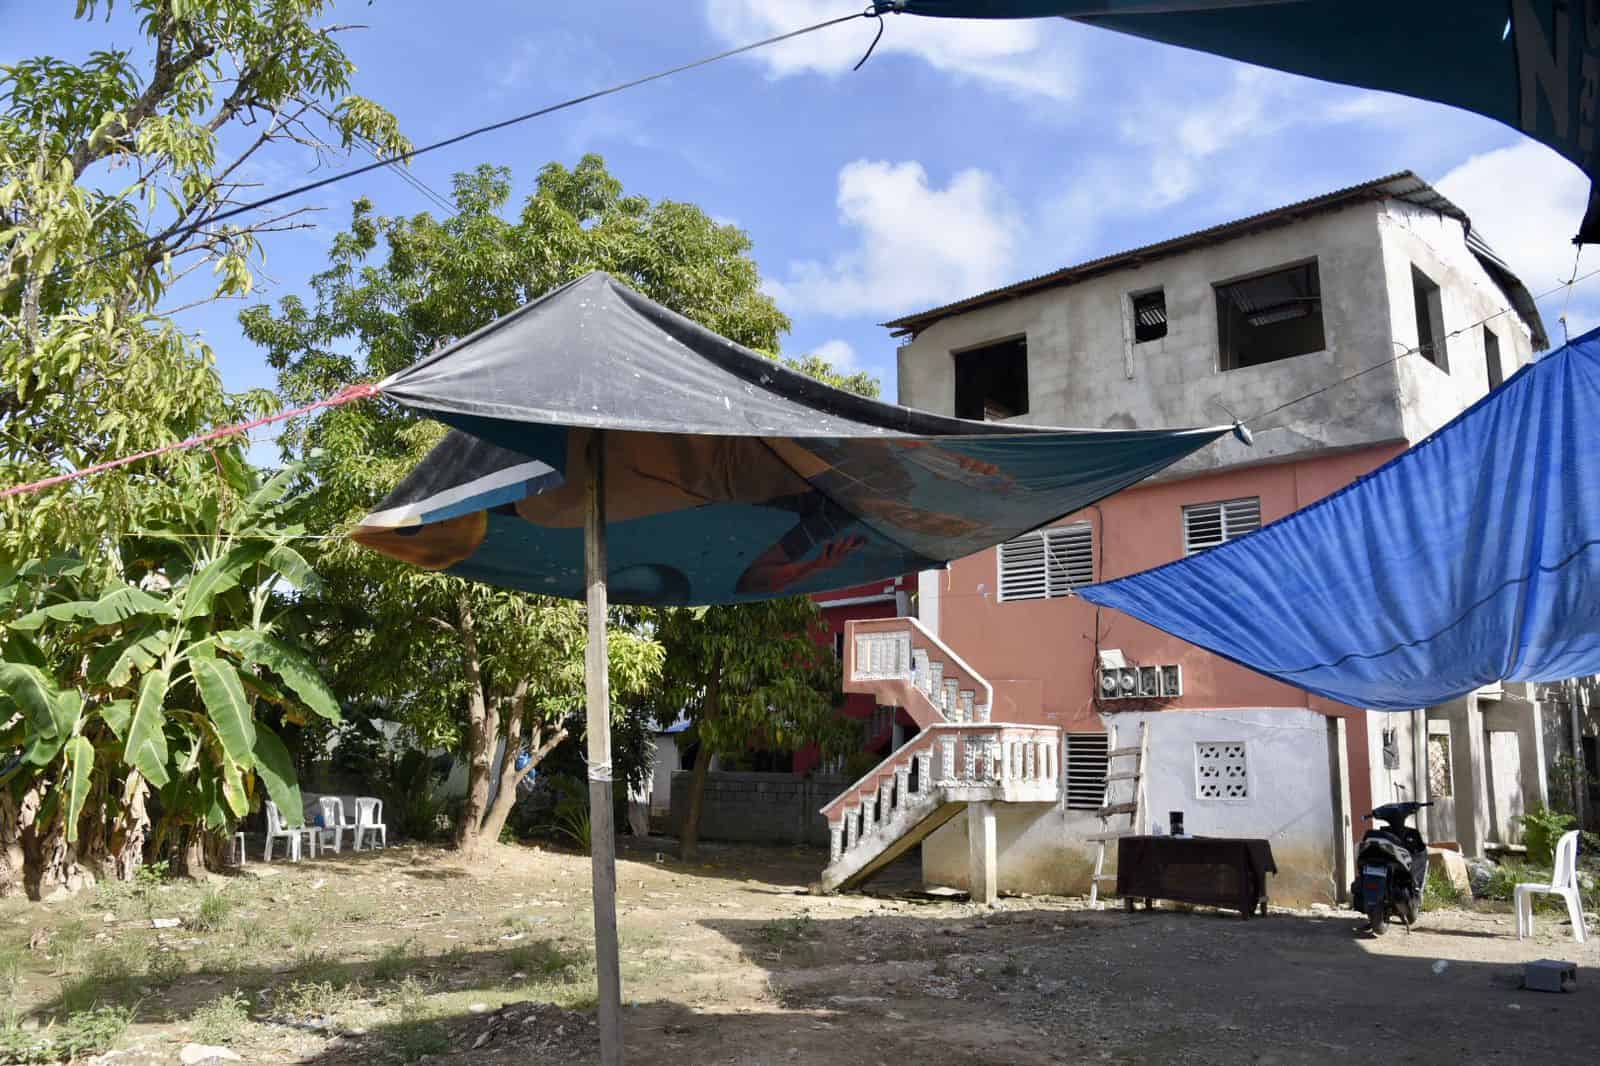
x=860 y=382
x=114 y=174
x=460 y=662
x=156 y=679
x=746 y=675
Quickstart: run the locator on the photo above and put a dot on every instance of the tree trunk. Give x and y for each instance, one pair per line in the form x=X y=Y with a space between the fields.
x=10 y=846
x=202 y=851
x=510 y=777
x=710 y=707
x=689 y=838
x=92 y=829
x=130 y=829
x=49 y=863
x=482 y=732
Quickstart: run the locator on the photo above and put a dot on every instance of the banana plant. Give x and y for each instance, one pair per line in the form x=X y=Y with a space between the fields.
x=161 y=671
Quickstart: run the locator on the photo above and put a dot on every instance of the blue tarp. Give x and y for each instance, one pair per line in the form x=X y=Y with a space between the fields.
x=1471 y=558
x=1532 y=64
x=728 y=477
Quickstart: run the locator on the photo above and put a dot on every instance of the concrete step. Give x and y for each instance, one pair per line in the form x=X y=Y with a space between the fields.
x=854 y=868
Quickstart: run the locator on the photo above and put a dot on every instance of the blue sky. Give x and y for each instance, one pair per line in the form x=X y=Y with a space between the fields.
x=964 y=155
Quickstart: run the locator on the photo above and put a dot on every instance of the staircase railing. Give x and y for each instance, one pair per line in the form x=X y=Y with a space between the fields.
x=903 y=664
x=949 y=763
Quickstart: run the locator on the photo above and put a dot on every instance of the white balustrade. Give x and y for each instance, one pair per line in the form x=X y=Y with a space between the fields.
x=1019 y=763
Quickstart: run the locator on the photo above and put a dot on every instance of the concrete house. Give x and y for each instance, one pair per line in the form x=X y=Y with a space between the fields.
x=1296 y=318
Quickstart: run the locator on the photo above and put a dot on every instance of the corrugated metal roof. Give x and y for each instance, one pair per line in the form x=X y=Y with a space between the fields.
x=1404 y=185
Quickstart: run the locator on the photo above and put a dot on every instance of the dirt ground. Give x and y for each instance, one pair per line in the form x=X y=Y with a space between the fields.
x=405 y=956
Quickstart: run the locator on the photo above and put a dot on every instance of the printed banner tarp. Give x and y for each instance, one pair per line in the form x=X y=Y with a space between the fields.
x=728 y=477
x=1532 y=64
x=1471 y=558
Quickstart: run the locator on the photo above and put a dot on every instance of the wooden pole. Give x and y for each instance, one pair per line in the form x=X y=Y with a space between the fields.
x=602 y=837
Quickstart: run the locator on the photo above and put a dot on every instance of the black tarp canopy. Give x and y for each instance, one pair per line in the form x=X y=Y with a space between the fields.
x=728 y=476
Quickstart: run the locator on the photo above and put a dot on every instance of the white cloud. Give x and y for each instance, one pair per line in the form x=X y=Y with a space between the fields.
x=1019 y=56
x=838 y=354
x=1200 y=157
x=1181 y=138
x=1525 y=201
x=915 y=245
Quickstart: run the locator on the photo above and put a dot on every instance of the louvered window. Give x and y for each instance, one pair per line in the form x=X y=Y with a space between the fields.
x=1047 y=563
x=1150 y=316
x=1205 y=525
x=1086 y=770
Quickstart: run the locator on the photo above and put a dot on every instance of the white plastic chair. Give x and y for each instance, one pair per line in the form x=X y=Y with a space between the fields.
x=1563 y=883
x=276 y=830
x=369 y=819
x=334 y=826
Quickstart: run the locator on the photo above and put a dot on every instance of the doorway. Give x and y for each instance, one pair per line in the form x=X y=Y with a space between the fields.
x=1505 y=786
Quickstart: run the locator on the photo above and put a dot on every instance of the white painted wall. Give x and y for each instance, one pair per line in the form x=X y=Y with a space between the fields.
x=665 y=761
x=1436 y=245
x=1042 y=849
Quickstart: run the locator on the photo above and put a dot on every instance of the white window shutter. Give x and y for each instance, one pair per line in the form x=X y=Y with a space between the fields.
x=1205 y=525
x=1046 y=563
x=1086 y=770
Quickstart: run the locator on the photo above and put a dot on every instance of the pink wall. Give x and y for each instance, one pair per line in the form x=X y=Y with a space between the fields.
x=856 y=704
x=1051 y=643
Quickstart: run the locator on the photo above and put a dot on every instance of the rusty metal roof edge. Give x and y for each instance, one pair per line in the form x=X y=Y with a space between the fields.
x=1401 y=185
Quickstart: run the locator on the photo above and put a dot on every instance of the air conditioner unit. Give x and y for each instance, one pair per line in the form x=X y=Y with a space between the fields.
x=1139 y=682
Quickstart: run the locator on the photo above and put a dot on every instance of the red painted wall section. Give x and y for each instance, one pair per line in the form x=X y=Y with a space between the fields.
x=1051 y=644
x=856 y=704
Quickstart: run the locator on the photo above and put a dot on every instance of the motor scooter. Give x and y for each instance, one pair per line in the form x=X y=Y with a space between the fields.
x=1391 y=868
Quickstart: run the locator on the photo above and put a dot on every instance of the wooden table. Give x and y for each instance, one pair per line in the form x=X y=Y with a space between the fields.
x=1210 y=871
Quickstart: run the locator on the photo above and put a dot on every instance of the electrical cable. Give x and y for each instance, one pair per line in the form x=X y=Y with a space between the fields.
x=1565 y=336
x=400 y=171
x=406 y=156
x=1567 y=285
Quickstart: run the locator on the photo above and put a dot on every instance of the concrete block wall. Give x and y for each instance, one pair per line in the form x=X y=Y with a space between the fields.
x=759 y=808
x=1082 y=373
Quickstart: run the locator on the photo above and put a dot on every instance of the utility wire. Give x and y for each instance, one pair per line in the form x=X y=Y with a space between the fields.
x=406 y=156
x=400 y=171
x=1565 y=336
x=1567 y=285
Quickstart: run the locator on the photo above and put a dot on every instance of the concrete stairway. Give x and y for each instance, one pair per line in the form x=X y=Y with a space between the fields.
x=960 y=761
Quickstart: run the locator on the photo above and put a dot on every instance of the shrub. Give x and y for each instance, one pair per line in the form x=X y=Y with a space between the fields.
x=1541 y=828
x=83 y=1033
x=215 y=906
x=165 y=967
x=1440 y=891
x=572 y=823
x=395 y=962
x=222 y=1019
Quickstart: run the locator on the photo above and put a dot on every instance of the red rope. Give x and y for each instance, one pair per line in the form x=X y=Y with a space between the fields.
x=354 y=392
